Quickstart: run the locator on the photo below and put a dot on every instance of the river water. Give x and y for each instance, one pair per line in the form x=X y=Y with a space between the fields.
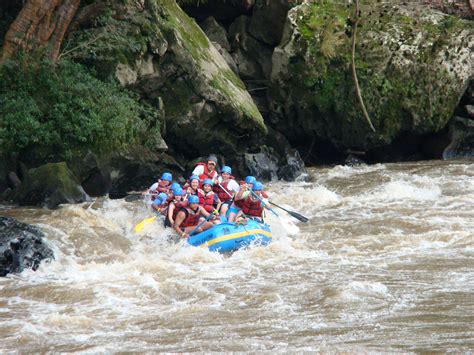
x=386 y=263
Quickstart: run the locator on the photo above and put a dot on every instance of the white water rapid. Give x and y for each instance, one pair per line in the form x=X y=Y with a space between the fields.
x=386 y=263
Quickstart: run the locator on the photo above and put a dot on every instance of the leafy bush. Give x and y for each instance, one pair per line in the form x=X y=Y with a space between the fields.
x=62 y=109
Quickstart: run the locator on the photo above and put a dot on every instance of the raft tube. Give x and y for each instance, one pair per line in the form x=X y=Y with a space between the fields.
x=229 y=236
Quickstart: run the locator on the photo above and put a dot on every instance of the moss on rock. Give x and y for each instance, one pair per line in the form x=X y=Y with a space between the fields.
x=412 y=63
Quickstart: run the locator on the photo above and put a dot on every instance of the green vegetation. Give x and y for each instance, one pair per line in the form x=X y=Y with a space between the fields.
x=60 y=110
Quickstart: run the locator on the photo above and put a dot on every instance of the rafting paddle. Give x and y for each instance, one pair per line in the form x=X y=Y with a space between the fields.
x=140 y=226
x=292 y=213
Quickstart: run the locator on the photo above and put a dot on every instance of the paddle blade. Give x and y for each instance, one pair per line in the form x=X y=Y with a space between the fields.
x=140 y=226
x=298 y=216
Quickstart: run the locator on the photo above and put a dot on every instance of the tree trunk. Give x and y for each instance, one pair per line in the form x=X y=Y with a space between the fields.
x=40 y=25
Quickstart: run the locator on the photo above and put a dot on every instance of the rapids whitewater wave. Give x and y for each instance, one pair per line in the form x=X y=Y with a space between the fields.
x=385 y=263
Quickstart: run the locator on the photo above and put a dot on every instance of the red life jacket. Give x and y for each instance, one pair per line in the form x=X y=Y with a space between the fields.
x=178 y=205
x=206 y=200
x=192 y=217
x=252 y=208
x=160 y=188
x=221 y=193
x=207 y=174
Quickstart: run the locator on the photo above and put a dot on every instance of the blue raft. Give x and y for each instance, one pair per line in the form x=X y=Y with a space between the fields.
x=227 y=237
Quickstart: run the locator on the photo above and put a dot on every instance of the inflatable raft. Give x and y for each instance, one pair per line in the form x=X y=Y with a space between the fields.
x=227 y=237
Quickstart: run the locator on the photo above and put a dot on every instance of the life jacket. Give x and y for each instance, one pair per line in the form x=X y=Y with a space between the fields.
x=206 y=200
x=192 y=217
x=160 y=188
x=221 y=193
x=178 y=205
x=207 y=174
x=252 y=208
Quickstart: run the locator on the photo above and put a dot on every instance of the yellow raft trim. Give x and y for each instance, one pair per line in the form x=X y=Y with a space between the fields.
x=234 y=236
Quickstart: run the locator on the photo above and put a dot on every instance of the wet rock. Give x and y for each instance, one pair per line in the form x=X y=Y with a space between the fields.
x=262 y=165
x=413 y=66
x=49 y=186
x=21 y=246
x=462 y=139
x=352 y=160
x=93 y=175
x=293 y=168
x=14 y=179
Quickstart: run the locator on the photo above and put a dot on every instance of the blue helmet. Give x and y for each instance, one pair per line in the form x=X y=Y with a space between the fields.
x=207 y=182
x=160 y=199
x=257 y=186
x=174 y=185
x=250 y=180
x=193 y=199
x=193 y=177
x=178 y=191
x=167 y=176
x=226 y=169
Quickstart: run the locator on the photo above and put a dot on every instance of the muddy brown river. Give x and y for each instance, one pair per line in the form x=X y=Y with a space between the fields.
x=385 y=264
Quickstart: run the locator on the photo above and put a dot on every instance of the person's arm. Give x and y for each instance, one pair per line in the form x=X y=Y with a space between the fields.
x=243 y=193
x=219 y=202
x=180 y=217
x=198 y=170
x=203 y=211
x=171 y=208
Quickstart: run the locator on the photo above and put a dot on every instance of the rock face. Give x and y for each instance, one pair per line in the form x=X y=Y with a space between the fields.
x=413 y=65
x=49 y=186
x=21 y=246
x=206 y=105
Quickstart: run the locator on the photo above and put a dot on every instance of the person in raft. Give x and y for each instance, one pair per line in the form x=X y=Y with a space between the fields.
x=160 y=203
x=162 y=185
x=236 y=206
x=190 y=216
x=179 y=201
x=208 y=199
x=206 y=170
x=251 y=201
x=226 y=188
x=192 y=186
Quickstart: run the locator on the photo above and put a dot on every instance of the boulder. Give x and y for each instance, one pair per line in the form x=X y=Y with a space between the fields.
x=93 y=175
x=206 y=105
x=21 y=246
x=462 y=139
x=413 y=65
x=49 y=186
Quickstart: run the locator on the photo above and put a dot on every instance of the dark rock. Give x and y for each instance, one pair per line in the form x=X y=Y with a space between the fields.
x=49 y=186
x=294 y=167
x=94 y=176
x=352 y=160
x=21 y=246
x=137 y=170
x=268 y=20
x=462 y=139
x=219 y=9
x=262 y=165
x=14 y=179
